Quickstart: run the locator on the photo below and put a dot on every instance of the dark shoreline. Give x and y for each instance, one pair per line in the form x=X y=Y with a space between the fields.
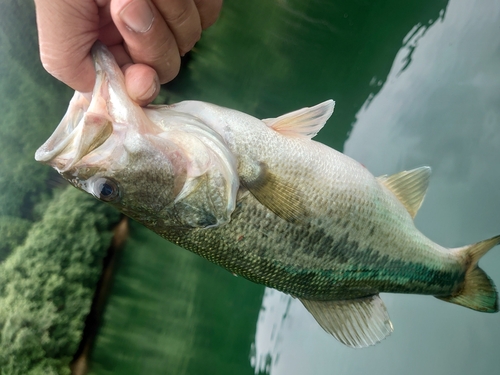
x=79 y=365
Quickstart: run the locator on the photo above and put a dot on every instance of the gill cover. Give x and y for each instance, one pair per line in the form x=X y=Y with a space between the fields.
x=208 y=195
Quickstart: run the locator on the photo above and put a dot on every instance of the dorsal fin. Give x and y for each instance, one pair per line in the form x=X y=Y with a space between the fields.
x=305 y=122
x=357 y=323
x=409 y=187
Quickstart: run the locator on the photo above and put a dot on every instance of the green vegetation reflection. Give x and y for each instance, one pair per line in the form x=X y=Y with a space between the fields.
x=172 y=312
x=47 y=284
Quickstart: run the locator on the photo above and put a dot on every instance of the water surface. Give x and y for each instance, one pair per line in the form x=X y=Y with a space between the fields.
x=439 y=106
x=415 y=83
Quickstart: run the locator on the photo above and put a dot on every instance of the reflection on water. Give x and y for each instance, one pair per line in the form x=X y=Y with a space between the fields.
x=268 y=337
x=169 y=312
x=439 y=106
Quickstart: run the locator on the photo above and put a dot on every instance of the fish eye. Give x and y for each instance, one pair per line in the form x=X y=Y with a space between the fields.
x=106 y=189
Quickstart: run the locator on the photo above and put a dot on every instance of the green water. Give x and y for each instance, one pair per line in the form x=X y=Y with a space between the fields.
x=438 y=106
x=171 y=312
x=415 y=83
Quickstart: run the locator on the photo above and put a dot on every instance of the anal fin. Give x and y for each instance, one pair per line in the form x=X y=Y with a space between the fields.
x=357 y=323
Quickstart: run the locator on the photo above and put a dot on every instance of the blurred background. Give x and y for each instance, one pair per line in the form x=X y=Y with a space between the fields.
x=415 y=83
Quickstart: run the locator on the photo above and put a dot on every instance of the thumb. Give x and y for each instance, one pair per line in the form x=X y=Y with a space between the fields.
x=66 y=33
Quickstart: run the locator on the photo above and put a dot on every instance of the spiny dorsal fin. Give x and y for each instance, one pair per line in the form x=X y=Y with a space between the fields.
x=277 y=195
x=409 y=187
x=305 y=122
x=357 y=323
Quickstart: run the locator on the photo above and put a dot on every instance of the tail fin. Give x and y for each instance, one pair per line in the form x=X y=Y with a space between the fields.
x=478 y=291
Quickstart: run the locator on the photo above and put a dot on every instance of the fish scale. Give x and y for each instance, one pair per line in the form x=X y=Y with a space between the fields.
x=305 y=277
x=263 y=200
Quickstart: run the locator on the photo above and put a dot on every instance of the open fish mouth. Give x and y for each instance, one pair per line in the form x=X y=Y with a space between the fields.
x=85 y=126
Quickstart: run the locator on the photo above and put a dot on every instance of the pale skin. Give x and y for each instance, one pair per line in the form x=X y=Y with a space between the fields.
x=147 y=38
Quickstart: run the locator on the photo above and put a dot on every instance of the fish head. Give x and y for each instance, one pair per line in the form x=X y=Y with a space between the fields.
x=157 y=166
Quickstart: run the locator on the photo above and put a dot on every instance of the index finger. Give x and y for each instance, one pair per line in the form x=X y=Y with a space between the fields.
x=146 y=36
x=209 y=11
x=183 y=20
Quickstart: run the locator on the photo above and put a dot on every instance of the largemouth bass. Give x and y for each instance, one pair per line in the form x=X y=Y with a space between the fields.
x=263 y=200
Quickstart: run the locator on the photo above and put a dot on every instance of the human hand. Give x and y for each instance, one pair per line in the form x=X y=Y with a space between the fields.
x=147 y=38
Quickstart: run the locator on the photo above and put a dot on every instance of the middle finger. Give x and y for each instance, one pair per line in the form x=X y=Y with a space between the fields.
x=183 y=20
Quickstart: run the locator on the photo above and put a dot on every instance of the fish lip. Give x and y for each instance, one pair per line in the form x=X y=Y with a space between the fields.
x=71 y=140
x=79 y=131
x=65 y=131
x=108 y=75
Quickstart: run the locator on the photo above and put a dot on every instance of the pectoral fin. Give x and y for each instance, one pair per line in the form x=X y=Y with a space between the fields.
x=357 y=323
x=409 y=187
x=279 y=196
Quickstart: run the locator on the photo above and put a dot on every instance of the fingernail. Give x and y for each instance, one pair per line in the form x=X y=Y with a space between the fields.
x=152 y=90
x=138 y=16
